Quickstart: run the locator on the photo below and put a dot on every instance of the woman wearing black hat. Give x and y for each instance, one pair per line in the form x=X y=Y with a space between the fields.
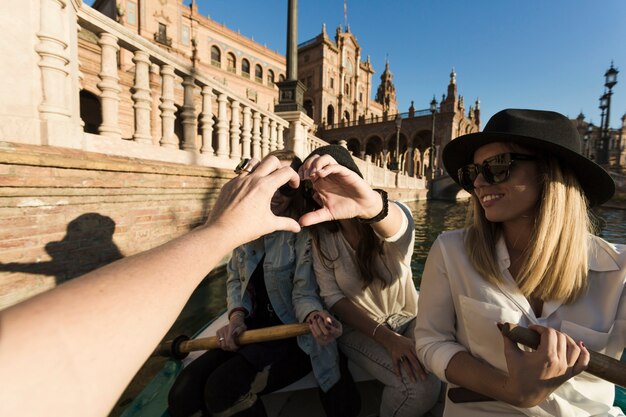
x=362 y=264
x=527 y=257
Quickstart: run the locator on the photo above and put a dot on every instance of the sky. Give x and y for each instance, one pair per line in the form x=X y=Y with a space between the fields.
x=542 y=54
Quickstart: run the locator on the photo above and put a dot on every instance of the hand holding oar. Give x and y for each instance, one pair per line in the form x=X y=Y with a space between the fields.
x=181 y=346
x=600 y=365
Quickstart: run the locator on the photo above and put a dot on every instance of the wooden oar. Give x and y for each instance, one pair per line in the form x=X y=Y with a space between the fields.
x=600 y=365
x=181 y=346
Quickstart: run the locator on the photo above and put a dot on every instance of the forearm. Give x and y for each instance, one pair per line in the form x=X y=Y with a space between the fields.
x=391 y=224
x=100 y=308
x=353 y=315
x=469 y=372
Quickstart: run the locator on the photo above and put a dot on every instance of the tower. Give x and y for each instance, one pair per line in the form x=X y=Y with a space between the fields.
x=386 y=93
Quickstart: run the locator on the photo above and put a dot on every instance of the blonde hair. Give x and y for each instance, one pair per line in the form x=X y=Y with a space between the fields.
x=556 y=259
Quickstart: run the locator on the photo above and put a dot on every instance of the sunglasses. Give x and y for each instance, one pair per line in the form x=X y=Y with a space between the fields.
x=495 y=170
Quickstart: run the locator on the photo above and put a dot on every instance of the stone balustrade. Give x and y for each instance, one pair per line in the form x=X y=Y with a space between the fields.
x=230 y=127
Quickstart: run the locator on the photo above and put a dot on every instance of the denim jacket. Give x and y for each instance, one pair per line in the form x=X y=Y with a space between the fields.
x=291 y=288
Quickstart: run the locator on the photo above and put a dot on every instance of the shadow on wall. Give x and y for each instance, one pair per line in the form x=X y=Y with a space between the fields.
x=87 y=245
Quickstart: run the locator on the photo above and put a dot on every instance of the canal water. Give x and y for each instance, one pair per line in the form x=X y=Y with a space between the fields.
x=431 y=218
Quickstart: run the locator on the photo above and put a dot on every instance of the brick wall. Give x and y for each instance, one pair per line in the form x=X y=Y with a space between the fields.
x=65 y=212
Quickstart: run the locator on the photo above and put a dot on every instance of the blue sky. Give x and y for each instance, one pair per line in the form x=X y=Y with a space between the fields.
x=548 y=54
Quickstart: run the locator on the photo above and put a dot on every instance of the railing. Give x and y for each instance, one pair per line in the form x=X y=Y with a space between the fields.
x=378 y=119
x=242 y=128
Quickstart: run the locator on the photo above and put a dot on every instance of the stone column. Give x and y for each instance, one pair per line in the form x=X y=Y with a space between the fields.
x=53 y=52
x=281 y=137
x=297 y=138
x=273 y=135
x=206 y=121
x=141 y=97
x=245 y=132
x=222 y=126
x=235 y=130
x=265 y=136
x=410 y=161
x=256 y=135
x=167 y=107
x=109 y=85
x=189 y=115
x=292 y=40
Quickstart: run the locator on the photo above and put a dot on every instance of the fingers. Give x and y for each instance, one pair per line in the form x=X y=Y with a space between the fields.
x=314 y=217
x=583 y=359
x=246 y=166
x=562 y=351
x=324 y=327
x=415 y=367
x=278 y=176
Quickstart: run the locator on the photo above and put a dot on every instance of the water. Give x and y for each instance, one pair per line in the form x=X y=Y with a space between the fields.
x=431 y=218
x=613 y=223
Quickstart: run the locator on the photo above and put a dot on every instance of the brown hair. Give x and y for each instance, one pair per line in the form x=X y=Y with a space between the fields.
x=368 y=247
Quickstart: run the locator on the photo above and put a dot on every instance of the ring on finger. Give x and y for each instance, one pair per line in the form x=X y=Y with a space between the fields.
x=221 y=339
x=243 y=166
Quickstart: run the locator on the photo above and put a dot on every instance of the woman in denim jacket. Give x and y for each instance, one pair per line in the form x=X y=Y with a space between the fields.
x=270 y=282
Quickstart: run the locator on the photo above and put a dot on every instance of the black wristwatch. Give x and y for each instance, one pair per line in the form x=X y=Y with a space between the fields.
x=383 y=213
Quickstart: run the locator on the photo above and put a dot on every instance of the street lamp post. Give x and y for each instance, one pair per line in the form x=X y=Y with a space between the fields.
x=600 y=149
x=610 y=79
x=433 y=111
x=396 y=167
x=586 y=140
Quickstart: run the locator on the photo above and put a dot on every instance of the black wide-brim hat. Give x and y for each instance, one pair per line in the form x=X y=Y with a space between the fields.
x=545 y=131
x=339 y=154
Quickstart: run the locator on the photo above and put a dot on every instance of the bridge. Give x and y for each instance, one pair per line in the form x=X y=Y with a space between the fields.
x=444 y=188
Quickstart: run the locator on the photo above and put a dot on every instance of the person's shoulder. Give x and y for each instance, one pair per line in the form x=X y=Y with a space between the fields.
x=452 y=236
x=606 y=255
x=403 y=207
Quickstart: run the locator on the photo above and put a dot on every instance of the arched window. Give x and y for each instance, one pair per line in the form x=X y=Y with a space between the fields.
x=258 y=74
x=216 y=56
x=245 y=68
x=90 y=111
x=231 y=62
x=270 y=77
x=330 y=115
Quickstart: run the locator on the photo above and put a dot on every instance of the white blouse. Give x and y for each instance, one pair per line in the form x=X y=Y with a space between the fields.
x=459 y=309
x=341 y=279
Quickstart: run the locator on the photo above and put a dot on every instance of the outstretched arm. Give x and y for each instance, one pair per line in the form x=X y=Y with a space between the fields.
x=72 y=350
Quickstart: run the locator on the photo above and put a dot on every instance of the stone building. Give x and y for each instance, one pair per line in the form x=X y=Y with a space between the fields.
x=591 y=136
x=338 y=81
x=342 y=99
x=416 y=136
